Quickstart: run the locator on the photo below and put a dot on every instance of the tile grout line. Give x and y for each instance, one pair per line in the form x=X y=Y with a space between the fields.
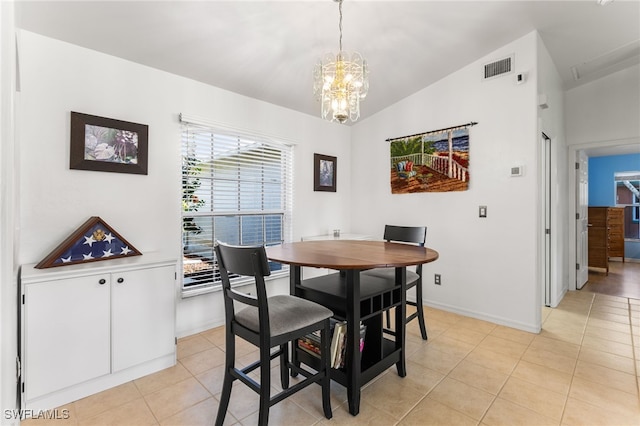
x=575 y=367
x=192 y=375
x=633 y=347
x=454 y=367
x=145 y=401
x=505 y=382
x=434 y=386
x=495 y=396
x=443 y=377
x=484 y=414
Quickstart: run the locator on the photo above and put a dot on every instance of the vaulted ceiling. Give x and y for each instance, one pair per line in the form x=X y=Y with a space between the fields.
x=267 y=49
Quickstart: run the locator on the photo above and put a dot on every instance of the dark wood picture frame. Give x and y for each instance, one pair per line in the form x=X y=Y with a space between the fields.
x=325 y=173
x=108 y=145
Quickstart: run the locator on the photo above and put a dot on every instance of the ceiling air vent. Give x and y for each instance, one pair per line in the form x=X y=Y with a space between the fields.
x=498 y=68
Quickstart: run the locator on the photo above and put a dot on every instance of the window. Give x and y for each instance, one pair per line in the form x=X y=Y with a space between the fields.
x=628 y=196
x=236 y=189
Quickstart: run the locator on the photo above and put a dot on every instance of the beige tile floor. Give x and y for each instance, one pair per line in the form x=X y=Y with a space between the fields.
x=582 y=369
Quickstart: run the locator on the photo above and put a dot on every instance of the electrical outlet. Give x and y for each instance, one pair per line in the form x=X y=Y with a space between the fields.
x=437 y=279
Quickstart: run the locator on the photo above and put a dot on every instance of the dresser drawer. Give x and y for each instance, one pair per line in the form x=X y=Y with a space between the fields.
x=597 y=217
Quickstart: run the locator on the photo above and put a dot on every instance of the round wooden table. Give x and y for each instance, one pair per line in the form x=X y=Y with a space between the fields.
x=351 y=293
x=350 y=254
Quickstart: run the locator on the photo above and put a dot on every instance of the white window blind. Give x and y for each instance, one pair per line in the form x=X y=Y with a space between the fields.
x=236 y=189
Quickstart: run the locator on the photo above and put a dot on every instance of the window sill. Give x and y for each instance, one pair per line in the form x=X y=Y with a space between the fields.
x=185 y=294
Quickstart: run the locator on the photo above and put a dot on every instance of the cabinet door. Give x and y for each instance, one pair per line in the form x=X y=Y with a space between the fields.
x=143 y=316
x=66 y=325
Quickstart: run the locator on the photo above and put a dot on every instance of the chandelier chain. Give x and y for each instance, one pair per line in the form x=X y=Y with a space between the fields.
x=340 y=24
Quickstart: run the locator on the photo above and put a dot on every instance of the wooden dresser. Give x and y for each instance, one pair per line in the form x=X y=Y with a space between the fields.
x=606 y=235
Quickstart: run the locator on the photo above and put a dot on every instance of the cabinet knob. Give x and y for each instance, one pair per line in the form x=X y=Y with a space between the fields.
x=120 y=280
x=102 y=281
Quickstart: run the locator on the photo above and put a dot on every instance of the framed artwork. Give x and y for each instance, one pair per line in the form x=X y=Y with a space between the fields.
x=108 y=145
x=325 y=170
x=434 y=161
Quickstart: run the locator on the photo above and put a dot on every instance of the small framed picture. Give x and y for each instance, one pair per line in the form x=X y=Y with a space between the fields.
x=108 y=145
x=325 y=170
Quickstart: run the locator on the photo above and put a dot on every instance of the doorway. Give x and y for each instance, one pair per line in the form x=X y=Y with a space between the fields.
x=596 y=149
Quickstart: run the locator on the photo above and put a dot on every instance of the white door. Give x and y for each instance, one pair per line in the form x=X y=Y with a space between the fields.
x=582 y=219
x=143 y=316
x=547 y=219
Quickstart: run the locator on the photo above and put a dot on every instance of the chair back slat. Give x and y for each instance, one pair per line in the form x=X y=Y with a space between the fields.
x=406 y=234
x=239 y=260
x=242 y=297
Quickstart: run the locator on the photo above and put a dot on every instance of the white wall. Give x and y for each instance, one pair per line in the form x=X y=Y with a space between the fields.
x=605 y=110
x=8 y=269
x=489 y=266
x=58 y=77
x=551 y=121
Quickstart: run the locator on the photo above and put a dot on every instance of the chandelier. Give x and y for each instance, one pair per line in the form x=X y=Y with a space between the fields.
x=340 y=82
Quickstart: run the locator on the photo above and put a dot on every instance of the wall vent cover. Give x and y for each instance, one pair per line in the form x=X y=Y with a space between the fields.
x=498 y=68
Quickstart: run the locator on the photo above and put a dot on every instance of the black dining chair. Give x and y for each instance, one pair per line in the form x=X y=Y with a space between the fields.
x=267 y=322
x=405 y=234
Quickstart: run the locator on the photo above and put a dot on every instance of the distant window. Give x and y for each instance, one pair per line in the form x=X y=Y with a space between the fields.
x=628 y=196
x=236 y=189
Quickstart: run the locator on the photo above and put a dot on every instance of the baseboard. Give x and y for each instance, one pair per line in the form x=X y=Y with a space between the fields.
x=199 y=329
x=531 y=328
x=559 y=297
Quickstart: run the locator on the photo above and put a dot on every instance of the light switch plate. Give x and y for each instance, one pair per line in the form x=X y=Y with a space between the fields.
x=516 y=171
x=482 y=211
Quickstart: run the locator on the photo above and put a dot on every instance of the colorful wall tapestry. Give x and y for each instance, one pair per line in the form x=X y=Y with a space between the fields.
x=436 y=161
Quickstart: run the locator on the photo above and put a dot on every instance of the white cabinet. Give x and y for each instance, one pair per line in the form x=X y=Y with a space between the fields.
x=89 y=327
x=140 y=325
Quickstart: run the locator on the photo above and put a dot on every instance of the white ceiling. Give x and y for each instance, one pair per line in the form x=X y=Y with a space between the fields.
x=267 y=49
